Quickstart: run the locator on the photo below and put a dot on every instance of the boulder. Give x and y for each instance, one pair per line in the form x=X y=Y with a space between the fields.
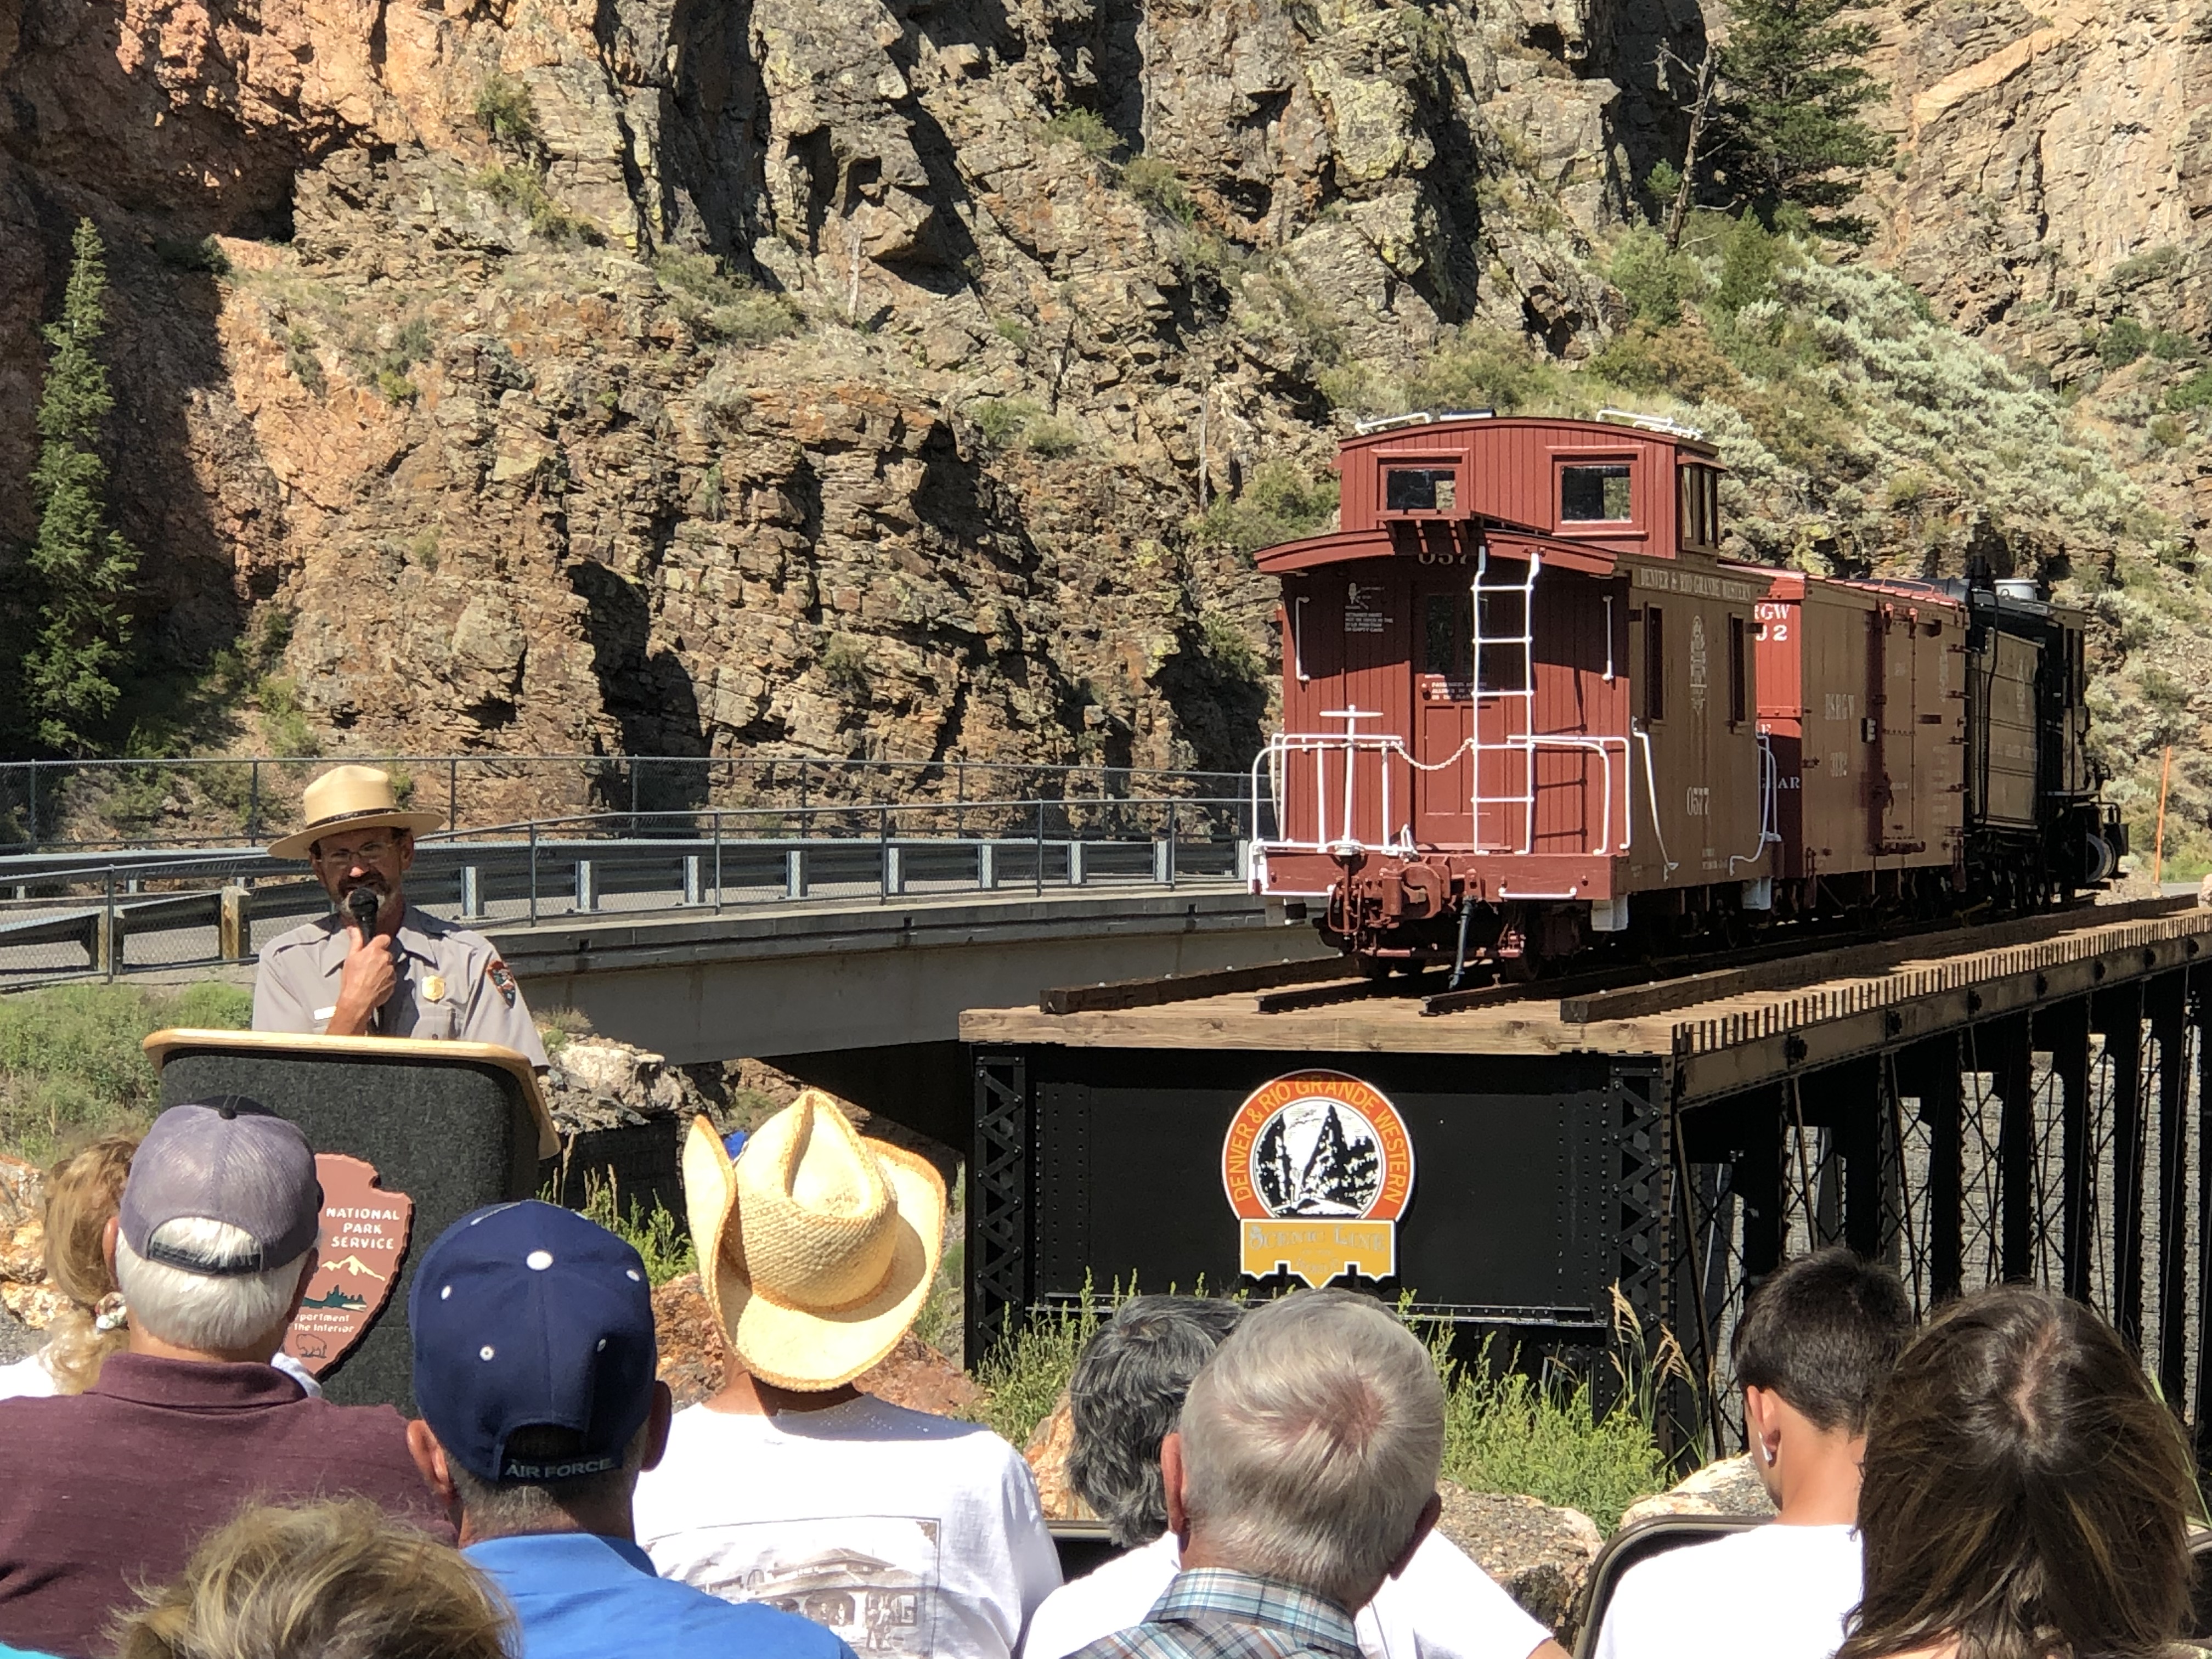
x=595 y=1082
x=1046 y=1455
x=22 y=1235
x=1541 y=1555
x=1728 y=1486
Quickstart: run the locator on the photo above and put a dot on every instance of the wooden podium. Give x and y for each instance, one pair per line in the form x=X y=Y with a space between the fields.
x=408 y=1137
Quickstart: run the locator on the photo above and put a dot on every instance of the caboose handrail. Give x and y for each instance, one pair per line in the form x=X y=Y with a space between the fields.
x=1283 y=749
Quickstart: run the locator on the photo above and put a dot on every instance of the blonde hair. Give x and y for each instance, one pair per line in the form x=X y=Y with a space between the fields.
x=321 y=1580
x=83 y=1190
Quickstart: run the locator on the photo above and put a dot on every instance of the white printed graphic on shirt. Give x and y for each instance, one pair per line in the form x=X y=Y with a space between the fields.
x=872 y=1579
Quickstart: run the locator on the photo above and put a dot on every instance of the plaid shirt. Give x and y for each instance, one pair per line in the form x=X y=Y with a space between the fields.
x=1209 y=1613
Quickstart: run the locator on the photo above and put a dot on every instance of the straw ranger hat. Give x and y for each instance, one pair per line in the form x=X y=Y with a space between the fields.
x=349 y=798
x=816 y=1247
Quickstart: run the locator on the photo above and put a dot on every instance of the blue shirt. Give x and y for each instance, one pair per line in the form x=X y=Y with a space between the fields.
x=580 y=1595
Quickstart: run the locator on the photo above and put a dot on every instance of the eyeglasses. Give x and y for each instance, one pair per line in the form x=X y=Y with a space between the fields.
x=369 y=852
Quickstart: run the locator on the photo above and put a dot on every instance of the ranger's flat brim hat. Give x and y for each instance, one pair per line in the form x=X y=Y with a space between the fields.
x=349 y=798
x=816 y=1248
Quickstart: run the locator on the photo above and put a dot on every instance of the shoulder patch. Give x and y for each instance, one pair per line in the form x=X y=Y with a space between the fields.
x=502 y=979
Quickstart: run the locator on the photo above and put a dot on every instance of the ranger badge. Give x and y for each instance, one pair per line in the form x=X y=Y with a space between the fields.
x=433 y=988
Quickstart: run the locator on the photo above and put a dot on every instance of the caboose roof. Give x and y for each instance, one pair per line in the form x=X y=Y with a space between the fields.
x=1449 y=430
x=1435 y=485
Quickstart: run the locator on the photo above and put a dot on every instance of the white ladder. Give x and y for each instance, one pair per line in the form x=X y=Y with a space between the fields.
x=1515 y=705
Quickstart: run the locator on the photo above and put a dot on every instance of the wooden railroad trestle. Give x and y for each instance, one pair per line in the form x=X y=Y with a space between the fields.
x=2033 y=1101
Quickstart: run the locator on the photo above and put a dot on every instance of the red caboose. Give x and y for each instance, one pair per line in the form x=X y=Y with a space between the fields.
x=1518 y=688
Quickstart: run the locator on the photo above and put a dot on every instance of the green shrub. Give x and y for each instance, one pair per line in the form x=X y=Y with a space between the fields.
x=723 y=303
x=1012 y=330
x=1279 y=503
x=2122 y=343
x=1003 y=420
x=1682 y=360
x=283 y=722
x=1655 y=282
x=1227 y=648
x=660 y=1238
x=1050 y=437
x=2167 y=432
x=2193 y=393
x=1504 y=1431
x=558 y=1027
x=1155 y=183
x=1748 y=257
x=521 y=189
x=503 y=110
x=70 y=1065
x=395 y=387
x=700 y=277
x=1022 y=1376
x=845 y=664
x=2171 y=348
x=1084 y=129
x=301 y=359
x=1483 y=368
x=205 y=255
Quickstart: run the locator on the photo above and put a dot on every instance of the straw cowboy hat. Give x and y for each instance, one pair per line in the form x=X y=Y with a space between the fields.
x=349 y=798
x=816 y=1247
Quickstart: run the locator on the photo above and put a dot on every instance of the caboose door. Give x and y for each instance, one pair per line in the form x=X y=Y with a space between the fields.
x=1443 y=711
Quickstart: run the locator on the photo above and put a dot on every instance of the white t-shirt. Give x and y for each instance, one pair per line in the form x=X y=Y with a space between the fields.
x=903 y=1532
x=1772 y=1592
x=27 y=1378
x=1441 y=1607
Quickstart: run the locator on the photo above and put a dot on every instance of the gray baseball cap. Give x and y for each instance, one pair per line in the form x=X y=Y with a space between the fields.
x=232 y=1160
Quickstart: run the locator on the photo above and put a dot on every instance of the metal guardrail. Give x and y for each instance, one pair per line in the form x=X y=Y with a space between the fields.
x=44 y=804
x=61 y=920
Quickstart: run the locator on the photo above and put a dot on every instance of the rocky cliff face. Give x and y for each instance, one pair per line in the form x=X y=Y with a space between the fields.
x=848 y=377
x=2053 y=185
x=1016 y=286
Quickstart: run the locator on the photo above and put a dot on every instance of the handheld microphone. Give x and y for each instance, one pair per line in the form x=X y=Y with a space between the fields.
x=362 y=904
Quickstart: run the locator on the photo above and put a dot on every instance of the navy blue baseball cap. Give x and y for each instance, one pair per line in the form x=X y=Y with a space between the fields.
x=525 y=1315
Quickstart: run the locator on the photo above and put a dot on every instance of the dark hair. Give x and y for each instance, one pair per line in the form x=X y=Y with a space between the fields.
x=1124 y=1398
x=1822 y=1332
x=2026 y=1492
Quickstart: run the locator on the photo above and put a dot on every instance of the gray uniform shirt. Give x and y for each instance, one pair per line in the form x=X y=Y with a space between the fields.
x=451 y=984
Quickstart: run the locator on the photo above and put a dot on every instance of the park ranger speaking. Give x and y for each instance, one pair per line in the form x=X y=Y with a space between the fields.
x=375 y=966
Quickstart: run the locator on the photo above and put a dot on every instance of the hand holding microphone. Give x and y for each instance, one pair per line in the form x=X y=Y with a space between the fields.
x=369 y=976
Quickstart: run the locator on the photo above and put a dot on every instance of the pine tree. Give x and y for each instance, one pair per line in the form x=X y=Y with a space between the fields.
x=83 y=569
x=1790 y=137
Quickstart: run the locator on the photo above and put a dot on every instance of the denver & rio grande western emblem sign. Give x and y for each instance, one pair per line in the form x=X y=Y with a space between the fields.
x=1318 y=1168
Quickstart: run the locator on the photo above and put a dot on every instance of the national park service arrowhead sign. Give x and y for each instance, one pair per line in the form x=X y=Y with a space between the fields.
x=364 y=1240
x=1318 y=1168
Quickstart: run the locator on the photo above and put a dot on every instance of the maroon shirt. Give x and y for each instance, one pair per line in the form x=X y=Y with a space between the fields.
x=105 y=1491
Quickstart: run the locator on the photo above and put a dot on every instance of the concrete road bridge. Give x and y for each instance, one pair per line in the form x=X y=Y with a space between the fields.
x=841 y=940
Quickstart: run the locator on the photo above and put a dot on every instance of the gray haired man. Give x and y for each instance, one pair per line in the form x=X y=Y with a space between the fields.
x=111 y=1489
x=1125 y=1395
x=1304 y=1475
